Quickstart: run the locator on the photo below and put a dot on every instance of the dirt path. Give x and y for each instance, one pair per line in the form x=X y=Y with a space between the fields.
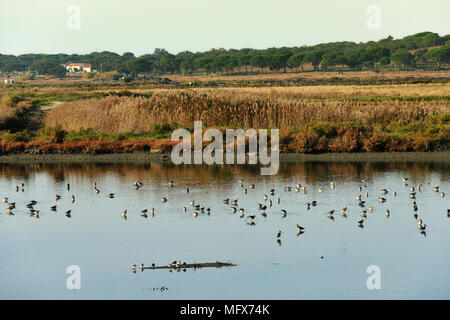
x=52 y=105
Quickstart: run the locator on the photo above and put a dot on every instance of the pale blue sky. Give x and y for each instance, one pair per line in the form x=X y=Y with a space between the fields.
x=139 y=26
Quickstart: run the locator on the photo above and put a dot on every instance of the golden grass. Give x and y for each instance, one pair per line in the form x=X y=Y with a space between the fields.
x=221 y=108
x=362 y=75
x=6 y=112
x=297 y=92
x=337 y=92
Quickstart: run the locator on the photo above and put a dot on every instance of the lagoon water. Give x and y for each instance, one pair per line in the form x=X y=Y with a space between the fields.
x=328 y=261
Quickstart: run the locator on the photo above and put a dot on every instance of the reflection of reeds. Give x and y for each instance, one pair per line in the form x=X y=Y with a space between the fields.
x=223 y=108
x=187 y=176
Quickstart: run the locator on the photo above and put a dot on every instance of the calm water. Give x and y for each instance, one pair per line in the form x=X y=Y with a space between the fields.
x=35 y=253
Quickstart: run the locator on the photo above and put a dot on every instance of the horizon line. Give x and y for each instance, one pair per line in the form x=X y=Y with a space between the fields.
x=219 y=48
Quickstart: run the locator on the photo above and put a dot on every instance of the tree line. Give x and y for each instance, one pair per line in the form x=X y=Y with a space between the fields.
x=409 y=52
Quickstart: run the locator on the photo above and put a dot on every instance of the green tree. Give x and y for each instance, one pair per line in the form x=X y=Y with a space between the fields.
x=428 y=40
x=167 y=63
x=141 y=65
x=258 y=61
x=12 y=66
x=128 y=56
x=332 y=60
x=185 y=62
x=385 y=61
x=440 y=55
x=403 y=58
x=244 y=61
x=315 y=57
x=205 y=63
x=296 y=61
x=356 y=59
x=419 y=56
x=375 y=54
x=231 y=64
x=221 y=62
x=50 y=68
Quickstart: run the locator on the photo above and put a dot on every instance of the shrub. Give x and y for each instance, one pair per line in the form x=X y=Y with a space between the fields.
x=22 y=136
x=56 y=133
x=121 y=136
x=14 y=99
x=28 y=76
x=323 y=128
x=88 y=75
x=306 y=141
x=127 y=79
x=376 y=143
x=347 y=141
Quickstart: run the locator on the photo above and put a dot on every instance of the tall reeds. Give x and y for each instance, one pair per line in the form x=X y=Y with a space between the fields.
x=228 y=109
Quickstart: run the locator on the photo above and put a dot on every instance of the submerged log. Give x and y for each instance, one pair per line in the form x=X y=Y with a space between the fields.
x=216 y=264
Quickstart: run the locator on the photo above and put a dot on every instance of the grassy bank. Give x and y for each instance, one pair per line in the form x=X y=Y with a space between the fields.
x=311 y=119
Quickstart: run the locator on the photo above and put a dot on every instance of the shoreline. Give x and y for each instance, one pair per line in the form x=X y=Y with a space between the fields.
x=143 y=157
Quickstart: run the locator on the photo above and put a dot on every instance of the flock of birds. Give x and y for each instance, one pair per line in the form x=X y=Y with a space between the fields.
x=268 y=202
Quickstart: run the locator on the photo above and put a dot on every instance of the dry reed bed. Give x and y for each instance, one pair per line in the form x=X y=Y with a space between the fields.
x=6 y=113
x=293 y=74
x=340 y=92
x=222 y=108
x=298 y=92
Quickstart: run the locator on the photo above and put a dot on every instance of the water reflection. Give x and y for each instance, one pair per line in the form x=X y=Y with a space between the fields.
x=299 y=234
x=311 y=171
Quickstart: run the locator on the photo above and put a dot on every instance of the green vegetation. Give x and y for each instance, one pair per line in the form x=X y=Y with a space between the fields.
x=409 y=52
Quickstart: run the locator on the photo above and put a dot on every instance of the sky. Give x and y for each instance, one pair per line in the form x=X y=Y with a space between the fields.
x=140 y=26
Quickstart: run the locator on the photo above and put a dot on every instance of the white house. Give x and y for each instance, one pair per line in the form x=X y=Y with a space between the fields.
x=78 y=67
